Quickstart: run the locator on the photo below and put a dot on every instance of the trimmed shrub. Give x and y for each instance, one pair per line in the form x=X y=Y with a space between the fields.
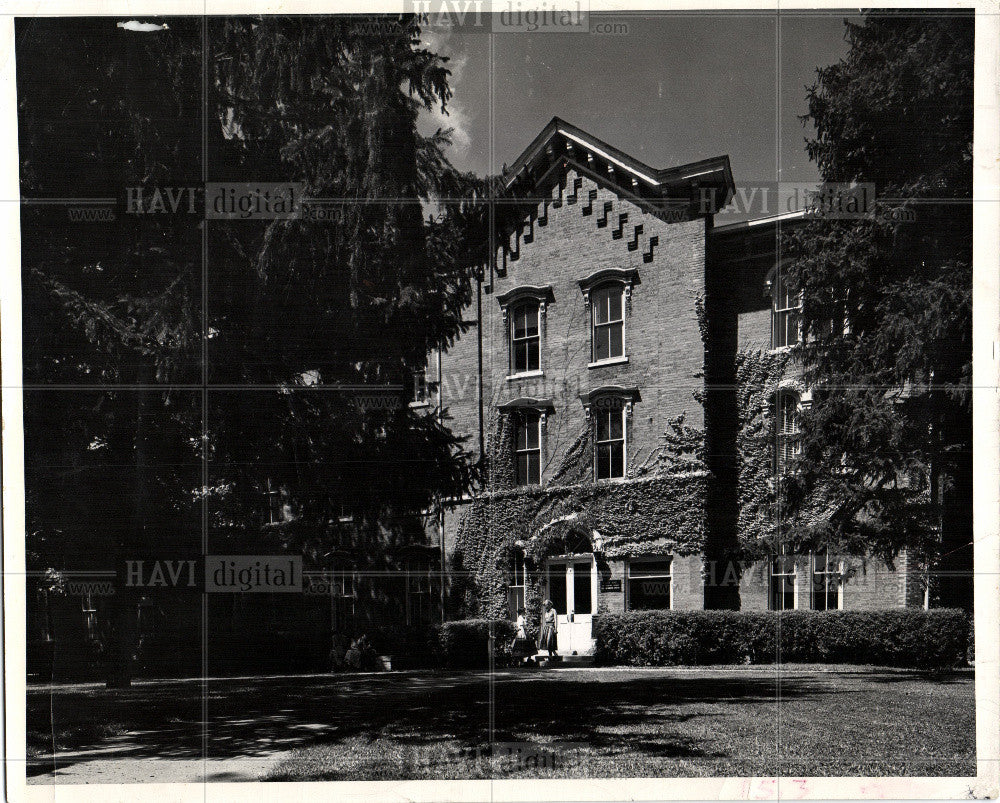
x=465 y=643
x=908 y=638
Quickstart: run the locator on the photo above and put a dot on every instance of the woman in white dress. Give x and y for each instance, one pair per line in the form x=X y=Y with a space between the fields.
x=550 y=628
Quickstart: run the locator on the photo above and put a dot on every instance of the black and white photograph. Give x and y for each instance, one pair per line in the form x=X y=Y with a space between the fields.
x=467 y=394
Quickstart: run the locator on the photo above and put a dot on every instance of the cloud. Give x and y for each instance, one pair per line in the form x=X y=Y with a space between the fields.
x=457 y=117
x=143 y=27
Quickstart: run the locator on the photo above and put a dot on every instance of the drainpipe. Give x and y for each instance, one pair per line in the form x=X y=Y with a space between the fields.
x=479 y=378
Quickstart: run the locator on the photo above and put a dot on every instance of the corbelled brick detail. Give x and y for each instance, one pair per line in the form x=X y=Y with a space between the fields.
x=662 y=338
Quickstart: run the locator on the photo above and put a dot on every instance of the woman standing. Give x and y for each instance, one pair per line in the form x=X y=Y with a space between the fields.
x=550 y=628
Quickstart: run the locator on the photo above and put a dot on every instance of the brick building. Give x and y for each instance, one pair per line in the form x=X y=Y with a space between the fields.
x=615 y=306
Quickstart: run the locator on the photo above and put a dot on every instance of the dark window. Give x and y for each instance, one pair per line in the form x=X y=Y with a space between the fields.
x=826 y=582
x=610 y=443
x=344 y=592
x=782 y=591
x=649 y=584
x=582 y=598
x=419 y=588
x=609 y=322
x=785 y=315
x=557 y=587
x=524 y=338
x=529 y=449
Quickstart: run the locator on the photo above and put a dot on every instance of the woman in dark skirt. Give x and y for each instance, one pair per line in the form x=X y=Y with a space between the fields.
x=550 y=628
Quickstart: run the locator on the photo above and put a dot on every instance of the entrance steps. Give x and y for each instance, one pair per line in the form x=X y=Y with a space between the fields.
x=542 y=659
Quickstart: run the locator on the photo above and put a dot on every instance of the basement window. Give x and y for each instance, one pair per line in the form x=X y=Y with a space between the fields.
x=826 y=583
x=782 y=584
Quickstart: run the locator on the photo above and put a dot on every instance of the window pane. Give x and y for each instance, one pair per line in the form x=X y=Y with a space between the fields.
x=782 y=592
x=520 y=357
x=615 y=340
x=603 y=425
x=528 y=468
x=618 y=459
x=603 y=461
x=515 y=600
x=602 y=305
x=530 y=427
x=602 y=343
x=534 y=468
x=615 y=417
x=615 y=303
x=526 y=322
x=581 y=588
x=647 y=568
x=557 y=587
x=649 y=594
x=532 y=358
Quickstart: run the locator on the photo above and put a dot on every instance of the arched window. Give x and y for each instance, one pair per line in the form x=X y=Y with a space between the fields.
x=525 y=339
x=609 y=407
x=524 y=309
x=785 y=308
x=787 y=441
x=609 y=443
x=608 y=305
x=608 y=296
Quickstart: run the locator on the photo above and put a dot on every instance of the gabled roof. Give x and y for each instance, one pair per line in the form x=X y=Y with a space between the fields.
x=560 y=142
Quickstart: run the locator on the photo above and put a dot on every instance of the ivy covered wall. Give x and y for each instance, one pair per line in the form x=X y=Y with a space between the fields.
x=659 y=507
x=759 y=374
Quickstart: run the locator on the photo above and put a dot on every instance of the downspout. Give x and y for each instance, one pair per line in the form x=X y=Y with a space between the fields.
x=479 y=378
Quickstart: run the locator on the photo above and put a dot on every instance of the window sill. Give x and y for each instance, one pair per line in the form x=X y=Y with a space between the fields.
x=525 y=375
x=419 y=404
x=610 y=480
x=609 y=361
x=782 y=349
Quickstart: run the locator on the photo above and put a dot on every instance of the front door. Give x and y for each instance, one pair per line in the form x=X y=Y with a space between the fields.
x=572 y=587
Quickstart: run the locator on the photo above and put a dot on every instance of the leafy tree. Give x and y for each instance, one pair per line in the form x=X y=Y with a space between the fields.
x=886 y=300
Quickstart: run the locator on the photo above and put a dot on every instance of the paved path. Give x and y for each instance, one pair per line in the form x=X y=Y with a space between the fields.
x=86 y=766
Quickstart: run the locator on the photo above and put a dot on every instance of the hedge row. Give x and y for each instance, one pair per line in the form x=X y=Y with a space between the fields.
x=936 y=638
x=465 y=644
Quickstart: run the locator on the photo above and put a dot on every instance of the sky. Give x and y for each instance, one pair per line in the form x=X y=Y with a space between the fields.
x=675 y=88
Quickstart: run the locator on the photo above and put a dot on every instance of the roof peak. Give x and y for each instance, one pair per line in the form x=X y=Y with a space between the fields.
x=560 y=141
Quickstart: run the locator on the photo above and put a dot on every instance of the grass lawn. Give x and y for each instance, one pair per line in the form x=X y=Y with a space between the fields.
x=670 y=722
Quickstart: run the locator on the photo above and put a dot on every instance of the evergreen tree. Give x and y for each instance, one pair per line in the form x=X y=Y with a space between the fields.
x=113 y=315
x=886 y=299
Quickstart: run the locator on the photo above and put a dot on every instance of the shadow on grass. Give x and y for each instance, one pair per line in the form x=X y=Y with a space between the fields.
x=608 y=711
x=243 y=718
